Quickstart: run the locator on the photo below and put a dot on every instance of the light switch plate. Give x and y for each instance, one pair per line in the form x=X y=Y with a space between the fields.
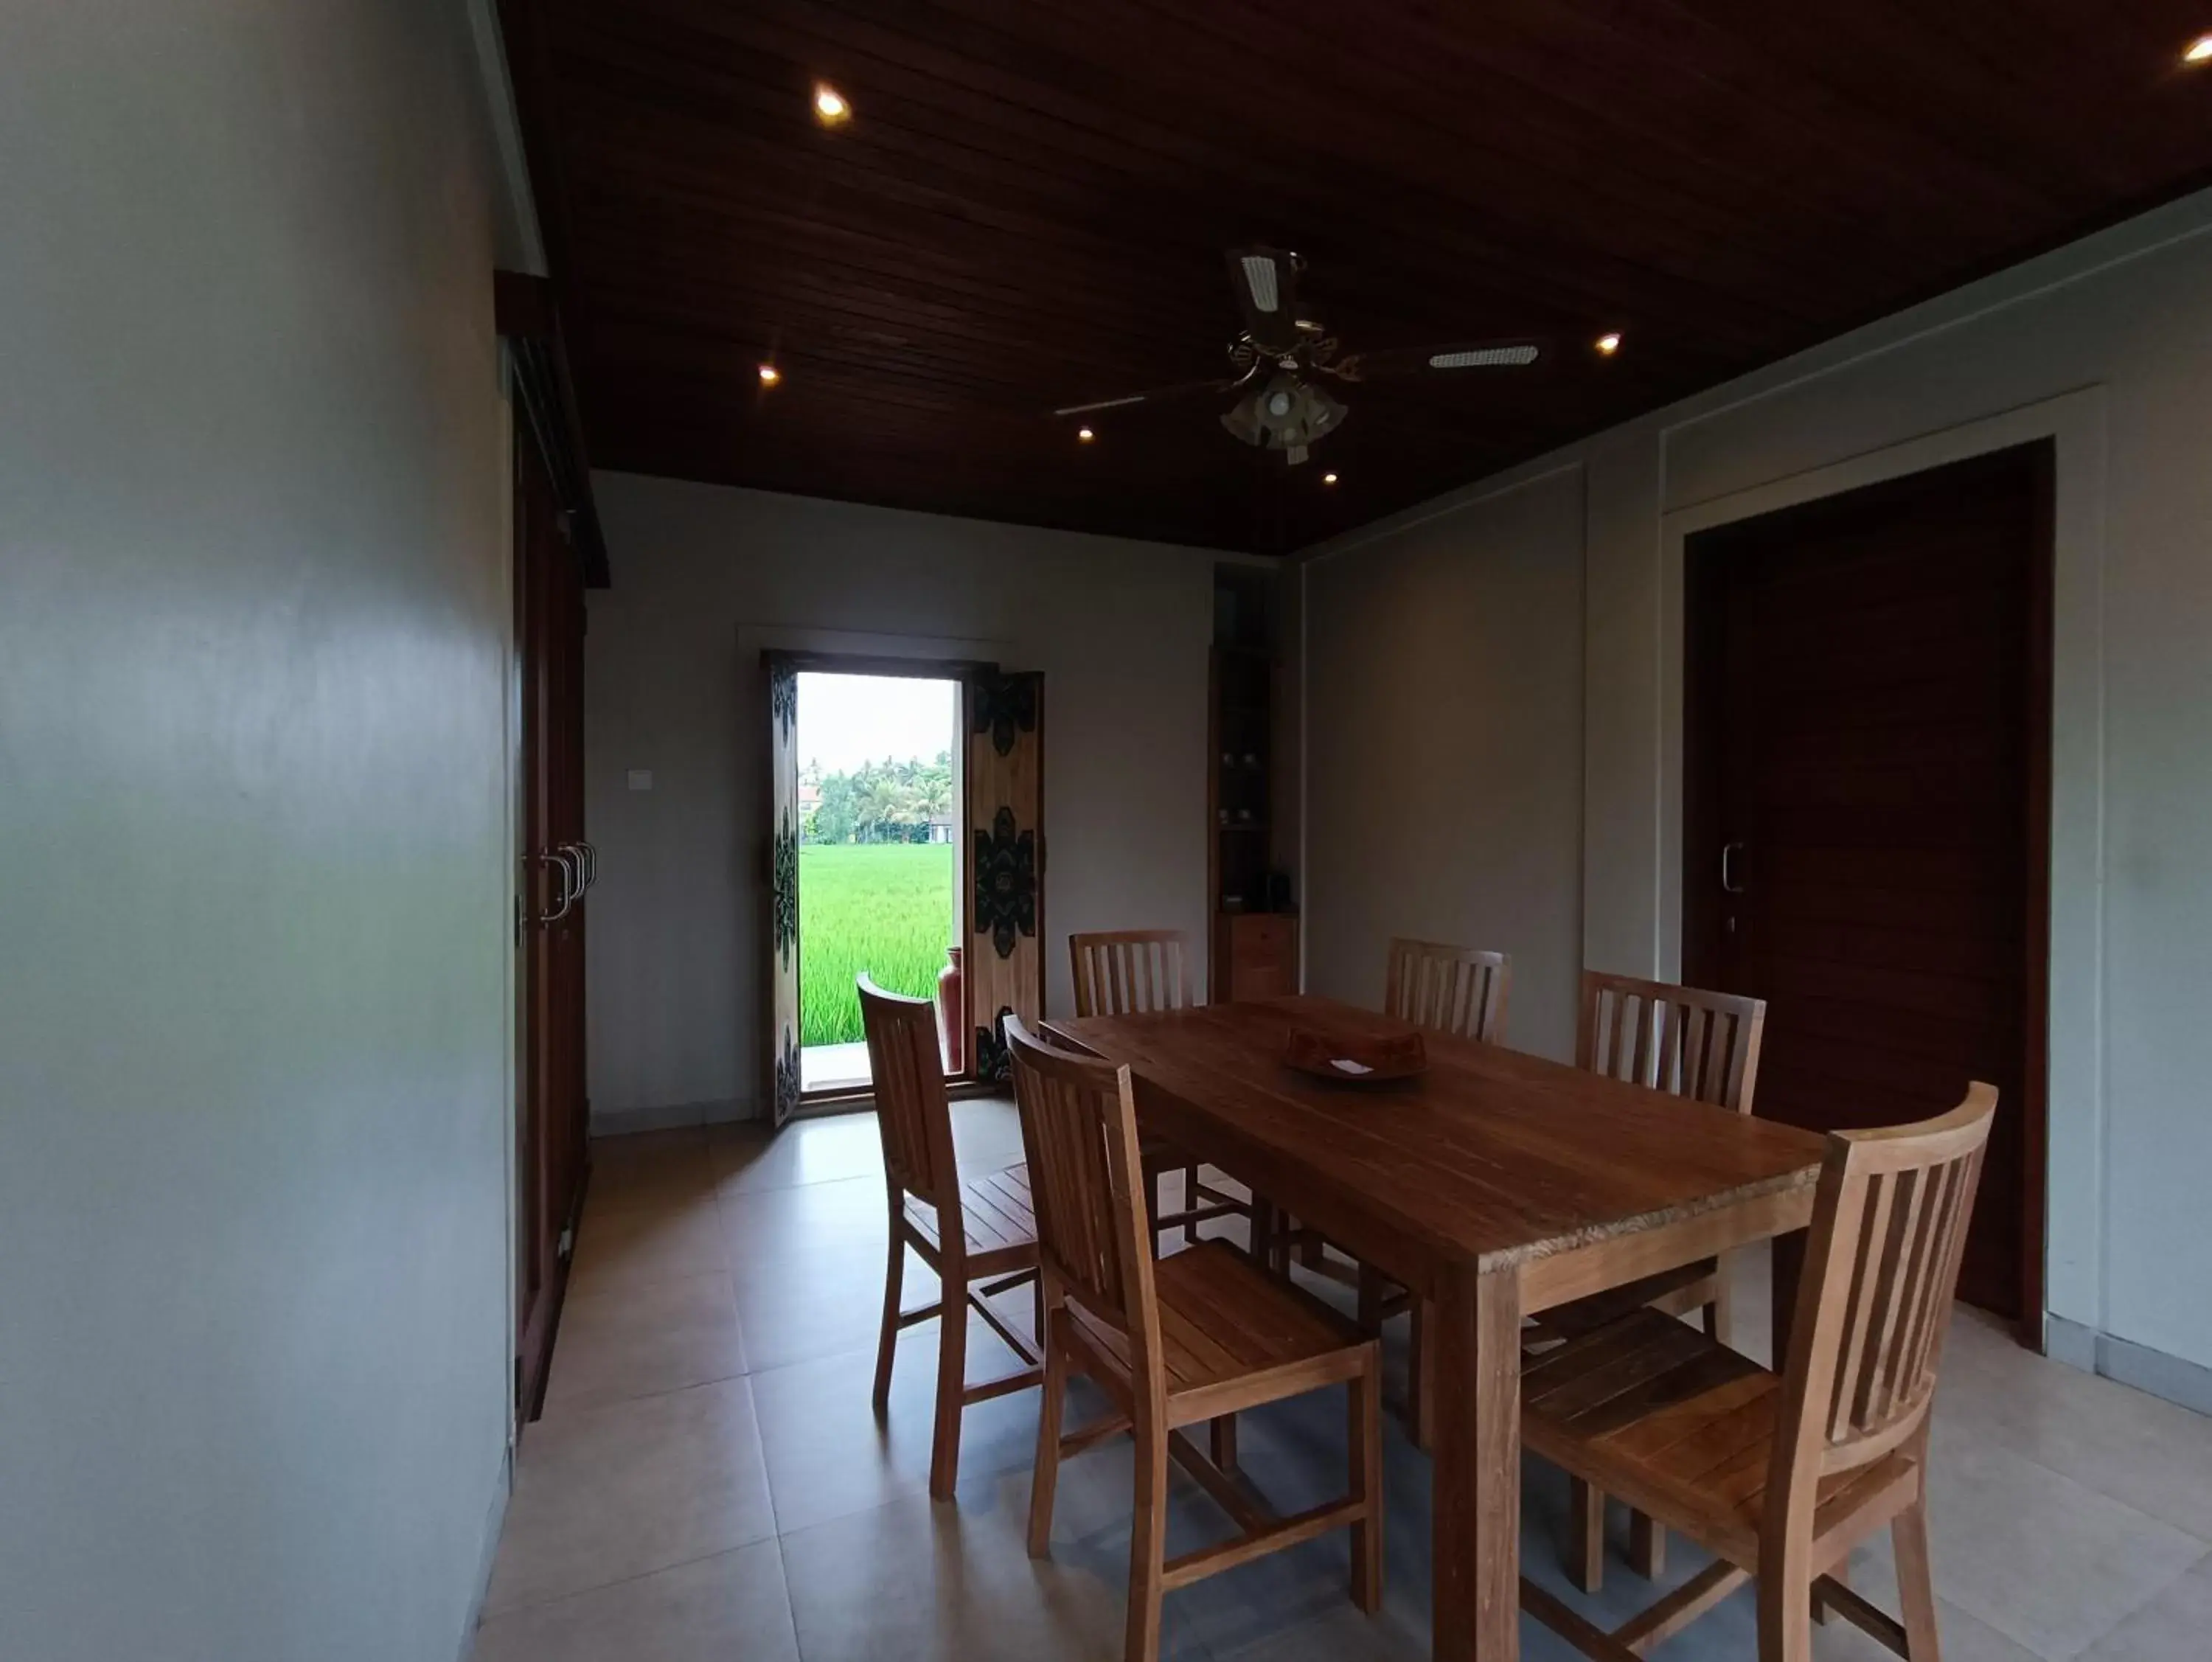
x=640 y=778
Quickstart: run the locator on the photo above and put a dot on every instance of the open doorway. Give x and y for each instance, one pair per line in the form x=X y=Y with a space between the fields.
x=879 y=819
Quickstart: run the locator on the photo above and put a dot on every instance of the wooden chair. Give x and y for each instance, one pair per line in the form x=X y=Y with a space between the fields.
x=1460 y=990
x=1197 y=1335
x=1128 y=972
x=993 y=1249
x=1687 y=1043
x=1780 y=1477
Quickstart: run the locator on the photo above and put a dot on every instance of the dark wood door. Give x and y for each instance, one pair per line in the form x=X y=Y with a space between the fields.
x=1865 y=828
x=551 y=1118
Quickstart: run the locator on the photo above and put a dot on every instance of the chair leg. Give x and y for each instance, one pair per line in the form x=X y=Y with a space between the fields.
x=1045 y=1477
x=1311 y=1250
x=1364 y=1412
x=1421 y=1381
x=1785 y=1614
x=1222 y=1434
x=887 y=1341
x=1158 y=1206
x=1369 y=1316
x=1190 y=1204
x=1585 y=1536
x=952 y=1383
x=1647 y=1547
x=1148 y=1543
x=1720 y=1314
x=1916 y=1584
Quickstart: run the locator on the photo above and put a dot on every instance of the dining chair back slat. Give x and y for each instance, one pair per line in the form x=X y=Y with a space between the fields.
x=1889 y=1230
x=1448 y=990
x=913 y=1113
x=1079 y=1134
x=1130 y=971
x=1681 y=1040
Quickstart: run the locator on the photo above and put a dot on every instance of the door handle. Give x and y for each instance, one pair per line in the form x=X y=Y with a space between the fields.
x=1729 y=885
x=560 y=859
x=587 y=864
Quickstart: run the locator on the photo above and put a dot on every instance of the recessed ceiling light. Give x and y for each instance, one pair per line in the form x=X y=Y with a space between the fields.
x=1085 y=433
x=770 y=375
x=1328 y=478
x=1608 y=344
x=830 y=105
x=2198 y=50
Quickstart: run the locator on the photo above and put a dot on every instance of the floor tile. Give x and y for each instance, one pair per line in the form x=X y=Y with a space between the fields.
x=825 y=1303
x=623 y=1249
x=604 y=1494
x=2044 y=1559
x=712 y=1610
x=828 y=1455
x=2155 y=1456
x=809 y=1151
x=650 y=1169
x=924 y=1582
x=2174 y=1626
x=765 y=1226
x=634 y=1341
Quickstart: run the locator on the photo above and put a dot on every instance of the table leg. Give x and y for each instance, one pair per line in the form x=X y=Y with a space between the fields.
x=1263 y=1231
x=1475 y=1336
x=1789 y=1270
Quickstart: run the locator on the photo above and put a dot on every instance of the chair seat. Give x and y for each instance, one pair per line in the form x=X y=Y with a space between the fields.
x=1233 y=1335
x=1001 y=1222
x=1682 y=1427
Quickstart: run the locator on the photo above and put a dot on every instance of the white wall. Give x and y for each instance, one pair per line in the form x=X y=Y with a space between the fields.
x=2107 y=347
x=703 y=577
x=1444 y=687
x=254 y=1333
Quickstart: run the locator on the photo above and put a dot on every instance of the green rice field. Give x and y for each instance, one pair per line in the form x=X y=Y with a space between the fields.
x=884 y=908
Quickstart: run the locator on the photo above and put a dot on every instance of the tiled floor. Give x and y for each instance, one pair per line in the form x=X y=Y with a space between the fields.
x=708 y=1481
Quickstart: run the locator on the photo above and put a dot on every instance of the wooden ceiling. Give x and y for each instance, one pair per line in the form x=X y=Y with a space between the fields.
x=1030 y=205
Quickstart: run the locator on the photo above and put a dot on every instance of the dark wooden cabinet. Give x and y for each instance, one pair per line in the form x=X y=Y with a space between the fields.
x=1255 y=955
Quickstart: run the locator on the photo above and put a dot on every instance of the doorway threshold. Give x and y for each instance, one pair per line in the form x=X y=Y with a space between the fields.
x=833 y=1067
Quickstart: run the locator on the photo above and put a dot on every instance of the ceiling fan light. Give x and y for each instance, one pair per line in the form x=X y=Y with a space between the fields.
x=1483 y=357
x=1260 y=280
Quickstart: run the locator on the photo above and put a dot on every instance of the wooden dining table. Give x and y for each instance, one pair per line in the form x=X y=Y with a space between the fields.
x=1493 y=1185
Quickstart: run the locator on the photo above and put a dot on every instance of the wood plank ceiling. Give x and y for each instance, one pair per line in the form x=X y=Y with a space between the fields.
x=1031 y=201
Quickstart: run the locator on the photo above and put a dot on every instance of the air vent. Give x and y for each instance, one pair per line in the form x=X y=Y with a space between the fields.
x=1260 y=278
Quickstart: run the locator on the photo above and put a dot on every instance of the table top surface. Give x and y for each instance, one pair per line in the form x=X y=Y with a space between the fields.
x=1489 y=1155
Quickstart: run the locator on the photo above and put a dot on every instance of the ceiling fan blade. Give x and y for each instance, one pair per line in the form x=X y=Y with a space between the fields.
x=1156 y=395
x=1267 y=284
x=1515 y=354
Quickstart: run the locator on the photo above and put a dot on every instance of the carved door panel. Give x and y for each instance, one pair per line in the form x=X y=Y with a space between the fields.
x=780 y=1033
x=1003 y=718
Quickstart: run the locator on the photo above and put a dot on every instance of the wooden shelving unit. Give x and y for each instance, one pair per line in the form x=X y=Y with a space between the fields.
x=1253 y=951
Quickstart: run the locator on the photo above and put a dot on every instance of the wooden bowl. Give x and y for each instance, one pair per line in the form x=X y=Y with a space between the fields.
x=1355 y=1059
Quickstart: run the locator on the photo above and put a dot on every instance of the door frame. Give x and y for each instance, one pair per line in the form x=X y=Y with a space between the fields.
x=2071 y=1217
x=845 y=652
x=1703 y=812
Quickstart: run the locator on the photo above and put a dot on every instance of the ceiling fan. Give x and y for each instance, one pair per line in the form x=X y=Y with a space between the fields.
x=1284 y=351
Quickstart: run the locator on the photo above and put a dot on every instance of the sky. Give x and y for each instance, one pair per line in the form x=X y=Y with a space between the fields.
x=847 y=719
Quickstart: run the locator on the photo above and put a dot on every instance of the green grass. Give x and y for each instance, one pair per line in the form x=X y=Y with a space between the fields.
x=883 y=908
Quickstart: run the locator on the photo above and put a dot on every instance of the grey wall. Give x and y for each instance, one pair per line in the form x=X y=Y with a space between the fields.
x=253 y=1008
x=705 y=576
x=1444 y=676
x=2106 y=347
